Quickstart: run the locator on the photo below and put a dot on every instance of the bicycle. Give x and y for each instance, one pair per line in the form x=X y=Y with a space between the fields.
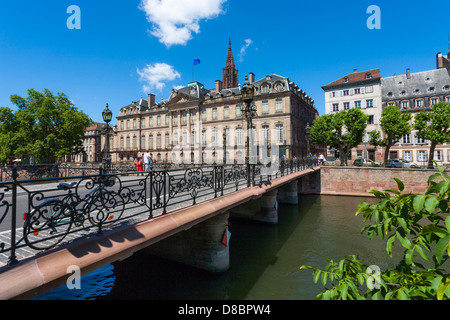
x=51 y=221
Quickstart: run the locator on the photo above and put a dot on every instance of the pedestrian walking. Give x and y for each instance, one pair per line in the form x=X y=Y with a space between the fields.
x=147 y=160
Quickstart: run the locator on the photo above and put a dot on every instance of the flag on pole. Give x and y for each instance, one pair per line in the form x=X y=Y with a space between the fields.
x=196 y=62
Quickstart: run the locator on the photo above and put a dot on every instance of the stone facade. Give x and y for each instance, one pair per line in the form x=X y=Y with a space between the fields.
x=188 y=127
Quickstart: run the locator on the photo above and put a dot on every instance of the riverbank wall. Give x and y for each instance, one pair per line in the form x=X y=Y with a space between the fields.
x=357 y=181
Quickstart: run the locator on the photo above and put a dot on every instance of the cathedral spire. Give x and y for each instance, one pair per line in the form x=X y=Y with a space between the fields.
x=230 y=74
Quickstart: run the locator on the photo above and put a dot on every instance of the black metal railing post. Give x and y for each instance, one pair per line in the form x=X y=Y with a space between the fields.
x=12 y=258
x=151 y=192
x=166 y=172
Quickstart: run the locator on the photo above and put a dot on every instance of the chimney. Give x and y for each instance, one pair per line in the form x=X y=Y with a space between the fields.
x=355 y=70
x=151 y=100
x=408 y=73
x=218 y=85
x=439 y=61
x=251 y=77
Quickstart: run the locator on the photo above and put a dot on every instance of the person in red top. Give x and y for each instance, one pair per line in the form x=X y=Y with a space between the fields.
x=139 y=164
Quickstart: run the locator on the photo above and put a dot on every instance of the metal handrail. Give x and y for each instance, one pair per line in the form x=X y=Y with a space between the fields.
x=52 y=208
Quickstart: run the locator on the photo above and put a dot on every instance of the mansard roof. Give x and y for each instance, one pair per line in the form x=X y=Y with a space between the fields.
x=419 y=84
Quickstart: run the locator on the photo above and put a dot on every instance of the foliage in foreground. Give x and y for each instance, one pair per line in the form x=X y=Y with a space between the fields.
x=420 y=223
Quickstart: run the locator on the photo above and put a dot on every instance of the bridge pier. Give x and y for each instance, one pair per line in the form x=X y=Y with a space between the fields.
x=288 y=194
x=263 y=209
x=309 y=184
x=200 y=246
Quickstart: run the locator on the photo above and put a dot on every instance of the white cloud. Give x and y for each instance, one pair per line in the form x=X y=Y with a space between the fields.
x=244 y=48
x=174 y=21
x=156 y=75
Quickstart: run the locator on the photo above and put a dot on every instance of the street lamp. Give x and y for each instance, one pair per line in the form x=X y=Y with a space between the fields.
x=107 y=117
x=224 y=136
x=249 y=111
x=308 y=137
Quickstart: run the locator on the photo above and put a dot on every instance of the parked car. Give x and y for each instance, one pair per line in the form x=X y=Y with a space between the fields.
x=366 y=163
x=401 y=163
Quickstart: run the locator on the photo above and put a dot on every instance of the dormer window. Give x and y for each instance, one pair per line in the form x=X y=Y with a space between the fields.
x=368 y=75
x=346 y=80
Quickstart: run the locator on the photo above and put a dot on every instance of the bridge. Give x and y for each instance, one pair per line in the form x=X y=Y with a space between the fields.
x=47 y=226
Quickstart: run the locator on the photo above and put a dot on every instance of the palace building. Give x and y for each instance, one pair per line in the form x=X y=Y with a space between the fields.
x=190 y=124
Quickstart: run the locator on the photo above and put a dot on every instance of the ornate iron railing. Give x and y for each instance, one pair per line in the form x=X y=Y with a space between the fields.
x=57 y=209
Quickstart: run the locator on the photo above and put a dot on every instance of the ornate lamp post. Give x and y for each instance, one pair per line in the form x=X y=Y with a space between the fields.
x=224 y=136
x=308 y=137
x=249 y=112
x=107 y=116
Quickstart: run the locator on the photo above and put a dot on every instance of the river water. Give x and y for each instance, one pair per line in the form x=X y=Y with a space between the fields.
x=265 y=260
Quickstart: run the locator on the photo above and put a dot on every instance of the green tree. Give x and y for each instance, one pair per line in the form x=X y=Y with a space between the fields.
x=342 y=130
x=434 y=125
x=394 y=125
x=45 y=126
x=420 y=223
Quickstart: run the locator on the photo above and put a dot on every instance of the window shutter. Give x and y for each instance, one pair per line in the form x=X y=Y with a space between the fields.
x=362 y=89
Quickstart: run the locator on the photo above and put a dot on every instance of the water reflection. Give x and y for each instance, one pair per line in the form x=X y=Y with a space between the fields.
x=264 y=259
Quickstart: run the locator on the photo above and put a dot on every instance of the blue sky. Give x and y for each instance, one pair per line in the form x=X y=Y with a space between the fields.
x=126 y=48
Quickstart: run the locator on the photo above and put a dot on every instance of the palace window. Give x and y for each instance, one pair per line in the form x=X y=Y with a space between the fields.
x=226 y=112
x=158 y=141
x=369 y=103
x=204 y=138
x=279 y=105
x=419 y=103
x=150 y=142
x=166 y=140
x=239 y=136
x=357 y=90
x=279 y=133
x=346 y=105
x=158 y=121
x=167 y=121
x=238 y=111
x=184 y=117
x=346 y=92
x=150 y=122
x=433 y=101
x=203 y=115
x=357 y=104
x=335 y=107
x=214 y=113
x=265 y=107
x=215 y=137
